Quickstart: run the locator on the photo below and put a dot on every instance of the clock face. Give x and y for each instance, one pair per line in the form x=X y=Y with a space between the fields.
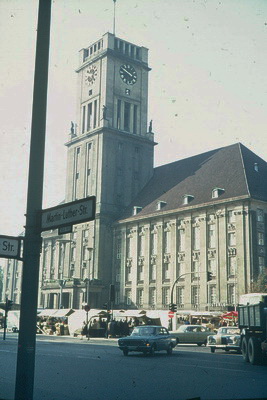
x=128 y=74
x=90 y=74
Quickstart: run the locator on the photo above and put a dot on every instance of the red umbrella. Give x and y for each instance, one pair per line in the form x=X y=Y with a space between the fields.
x=230 y=315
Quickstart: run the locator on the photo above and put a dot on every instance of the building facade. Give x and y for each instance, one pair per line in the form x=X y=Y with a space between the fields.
x=153 y=226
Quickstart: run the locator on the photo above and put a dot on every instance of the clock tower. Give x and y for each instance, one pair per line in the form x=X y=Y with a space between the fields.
x=110 y=149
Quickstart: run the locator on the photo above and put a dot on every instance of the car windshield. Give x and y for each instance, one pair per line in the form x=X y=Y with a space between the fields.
x=143 y=331
x=230 y=331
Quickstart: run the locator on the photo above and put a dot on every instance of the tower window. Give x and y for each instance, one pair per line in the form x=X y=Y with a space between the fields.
x=119 y=114
x=83 y=118
x=127 y=108
x=132 y=51
x=138 y=53
x=95 y=112
x=89 y=116
x=135 y=119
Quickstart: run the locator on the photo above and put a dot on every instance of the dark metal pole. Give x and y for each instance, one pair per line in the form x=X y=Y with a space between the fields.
x=32 y=241
x=5 y=321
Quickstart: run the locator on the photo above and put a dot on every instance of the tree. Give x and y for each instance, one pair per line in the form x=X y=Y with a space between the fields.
x=260 y=284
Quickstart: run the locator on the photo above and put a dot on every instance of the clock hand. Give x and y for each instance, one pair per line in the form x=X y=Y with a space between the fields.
x=127 y=72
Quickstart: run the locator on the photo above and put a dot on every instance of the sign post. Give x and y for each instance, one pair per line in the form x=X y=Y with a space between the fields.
x=32 y=240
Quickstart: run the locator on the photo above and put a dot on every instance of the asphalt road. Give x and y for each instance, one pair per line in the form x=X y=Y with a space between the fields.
x=74 y=369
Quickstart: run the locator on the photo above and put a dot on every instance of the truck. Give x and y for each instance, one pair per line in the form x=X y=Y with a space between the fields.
x=252 y=321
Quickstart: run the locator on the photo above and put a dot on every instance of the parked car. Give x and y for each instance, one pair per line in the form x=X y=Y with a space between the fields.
x=227 y=338
x=147 y=339
x=193 y=334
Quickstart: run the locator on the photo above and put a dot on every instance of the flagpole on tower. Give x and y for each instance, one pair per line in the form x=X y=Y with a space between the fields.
x=114 y=16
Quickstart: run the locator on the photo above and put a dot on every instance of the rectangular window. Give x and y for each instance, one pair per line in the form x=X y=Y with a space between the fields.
x=119 y=114
x=89 y=116
x=128 y=297
x=76 y=172
x=180 y=295
x=88 y=176
x=140 y=297
x=232 y=266
x=135 y=119
x=167 y=241
x=195 y=295
x=141 y=239
x=196 y=238
x=231 y=294
x=231 y=217
x=211 y=236
x=118 y=274
x=118 y=248
x=128 y=273
x=153 y=272
x=213 y=295
x=260 y=215
x=231 y=239
x=260 y=239
x=152 y=296
x=129 y=244
x=212 y=266
x=165 y=296
x=181 y=239
x=140 y=273
x=95 y=114
x=180 y=269
x=166 y=271
x=195 y=270
x=154 y=243
x=127 y=110
x=83 y=118
x=261 y=264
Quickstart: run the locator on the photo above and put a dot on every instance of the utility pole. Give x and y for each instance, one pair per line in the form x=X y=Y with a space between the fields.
x=32 y=239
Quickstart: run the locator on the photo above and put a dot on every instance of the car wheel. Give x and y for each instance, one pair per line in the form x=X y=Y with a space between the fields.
x=226 y=349
x=205 y=343
x=212 y=349
x=244 y=349
x=254 y=351
x=169 y=350
x=152 y=351
x=199 y=344
x=125 y=352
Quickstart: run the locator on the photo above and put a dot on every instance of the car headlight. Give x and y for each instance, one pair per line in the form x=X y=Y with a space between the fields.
x=211 y=339
x=230 y=339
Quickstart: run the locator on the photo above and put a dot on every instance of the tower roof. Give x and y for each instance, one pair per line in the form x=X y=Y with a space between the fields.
x=215 y=176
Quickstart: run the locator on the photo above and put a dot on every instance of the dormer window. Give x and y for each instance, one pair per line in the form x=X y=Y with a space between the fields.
x=160 y=205
x=136 y=210
x=256 y=167
x=216 y=192
x=187 y=198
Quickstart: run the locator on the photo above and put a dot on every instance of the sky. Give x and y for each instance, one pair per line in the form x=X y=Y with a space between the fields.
x=207 y=86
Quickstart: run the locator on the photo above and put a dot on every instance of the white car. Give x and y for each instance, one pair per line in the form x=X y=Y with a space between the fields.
x=227 y=338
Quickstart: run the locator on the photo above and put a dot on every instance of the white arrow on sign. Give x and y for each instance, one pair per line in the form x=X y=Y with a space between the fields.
x=68 y=214
x=10 y=247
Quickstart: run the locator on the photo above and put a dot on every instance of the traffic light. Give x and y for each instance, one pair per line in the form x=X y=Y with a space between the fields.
x=9 y=304
x=173 y=307
x=209 y=276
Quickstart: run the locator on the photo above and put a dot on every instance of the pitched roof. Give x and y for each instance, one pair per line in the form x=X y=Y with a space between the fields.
x=230 y=168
